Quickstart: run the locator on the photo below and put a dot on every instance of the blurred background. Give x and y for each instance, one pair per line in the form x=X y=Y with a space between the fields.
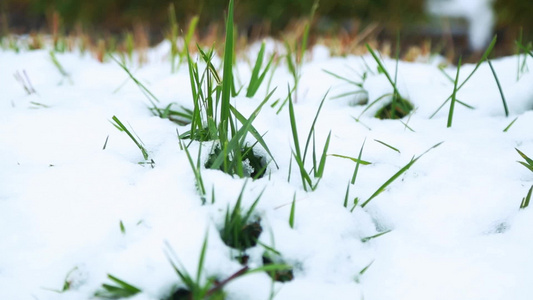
x=465 y=25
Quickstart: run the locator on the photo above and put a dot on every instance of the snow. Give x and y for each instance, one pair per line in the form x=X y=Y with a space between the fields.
x=456 y=228
x=478 y=13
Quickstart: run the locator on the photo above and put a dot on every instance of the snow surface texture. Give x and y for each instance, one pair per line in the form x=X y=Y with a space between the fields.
x=457 y=231
x=478 y=13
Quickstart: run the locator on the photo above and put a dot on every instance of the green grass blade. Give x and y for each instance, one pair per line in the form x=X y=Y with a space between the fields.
x=396 y=175
x=528 y=161
x=499 y=88
x=197 y=174
x=322 y=164
x=234 y=145
x=366 y=239
x=358 y=163
x=227 y=81
x=356 y=160
x=483 y=58
x=510 y=124
x=346 y=195
x=387 y=145
x=312 y=129
x=254 y=80
x=118 y=124
x=254 y=131
x=382 y=67
x=293 y=208
x=454 y=95
x=306 y=180
x=527 y=199
x=202 y=259
x=124 y=285
x=294 y=127
x=358 y=84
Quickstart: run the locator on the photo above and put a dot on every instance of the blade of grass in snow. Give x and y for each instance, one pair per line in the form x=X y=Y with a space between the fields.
x=118 y=124
x=528 y=161
x=358 y=84
x=483 y=58
x=527 y=199
x=151 y=97
x=366 y=239
x=312 y=129
x=227 y=81
x=387 y=145
x=293 y=208
x=395 y=176
x=257 y=79
x=454 y=95
x=363 y=162
x=510 y=124
x=252 y=129
x=346 y=195
x=196 y=171
x=499 y=88
x=358 y=163
x=122 y=289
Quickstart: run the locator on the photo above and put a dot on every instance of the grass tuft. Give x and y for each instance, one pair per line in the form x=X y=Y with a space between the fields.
x=120 y=290
x=528 y=163
x=399 y=106
x=527 y=199
x=239 y=231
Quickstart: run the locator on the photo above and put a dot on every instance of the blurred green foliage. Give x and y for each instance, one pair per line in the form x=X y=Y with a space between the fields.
x=118 y=14
x=514 y=14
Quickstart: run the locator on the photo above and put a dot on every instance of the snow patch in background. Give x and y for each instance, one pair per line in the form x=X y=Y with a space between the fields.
x=478 y=13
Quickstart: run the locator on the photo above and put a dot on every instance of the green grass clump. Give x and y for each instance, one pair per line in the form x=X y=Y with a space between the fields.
x=214 y=118
x=399 y=106
x=528 y=163
x=240 y=231
x=120 y=290
x=195 y=288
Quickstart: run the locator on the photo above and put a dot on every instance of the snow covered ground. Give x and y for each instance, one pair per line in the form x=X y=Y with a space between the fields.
x=456 y=228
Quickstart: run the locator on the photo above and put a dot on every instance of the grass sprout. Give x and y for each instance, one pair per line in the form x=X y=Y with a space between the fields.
x=195 y=288
x=360 y=91
x=293 y=211
x=258 y=76
x=505 y=108
x=399 y=107
x=121 y=127
x=454 y=95
x=366 y=239
x=396 y=175
x=528 y=163
x=387 y=145
x=214 y=118
x=239 y=231
x=527 y=199
x=510 y=124
x=119 y=290
x=318 y=165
